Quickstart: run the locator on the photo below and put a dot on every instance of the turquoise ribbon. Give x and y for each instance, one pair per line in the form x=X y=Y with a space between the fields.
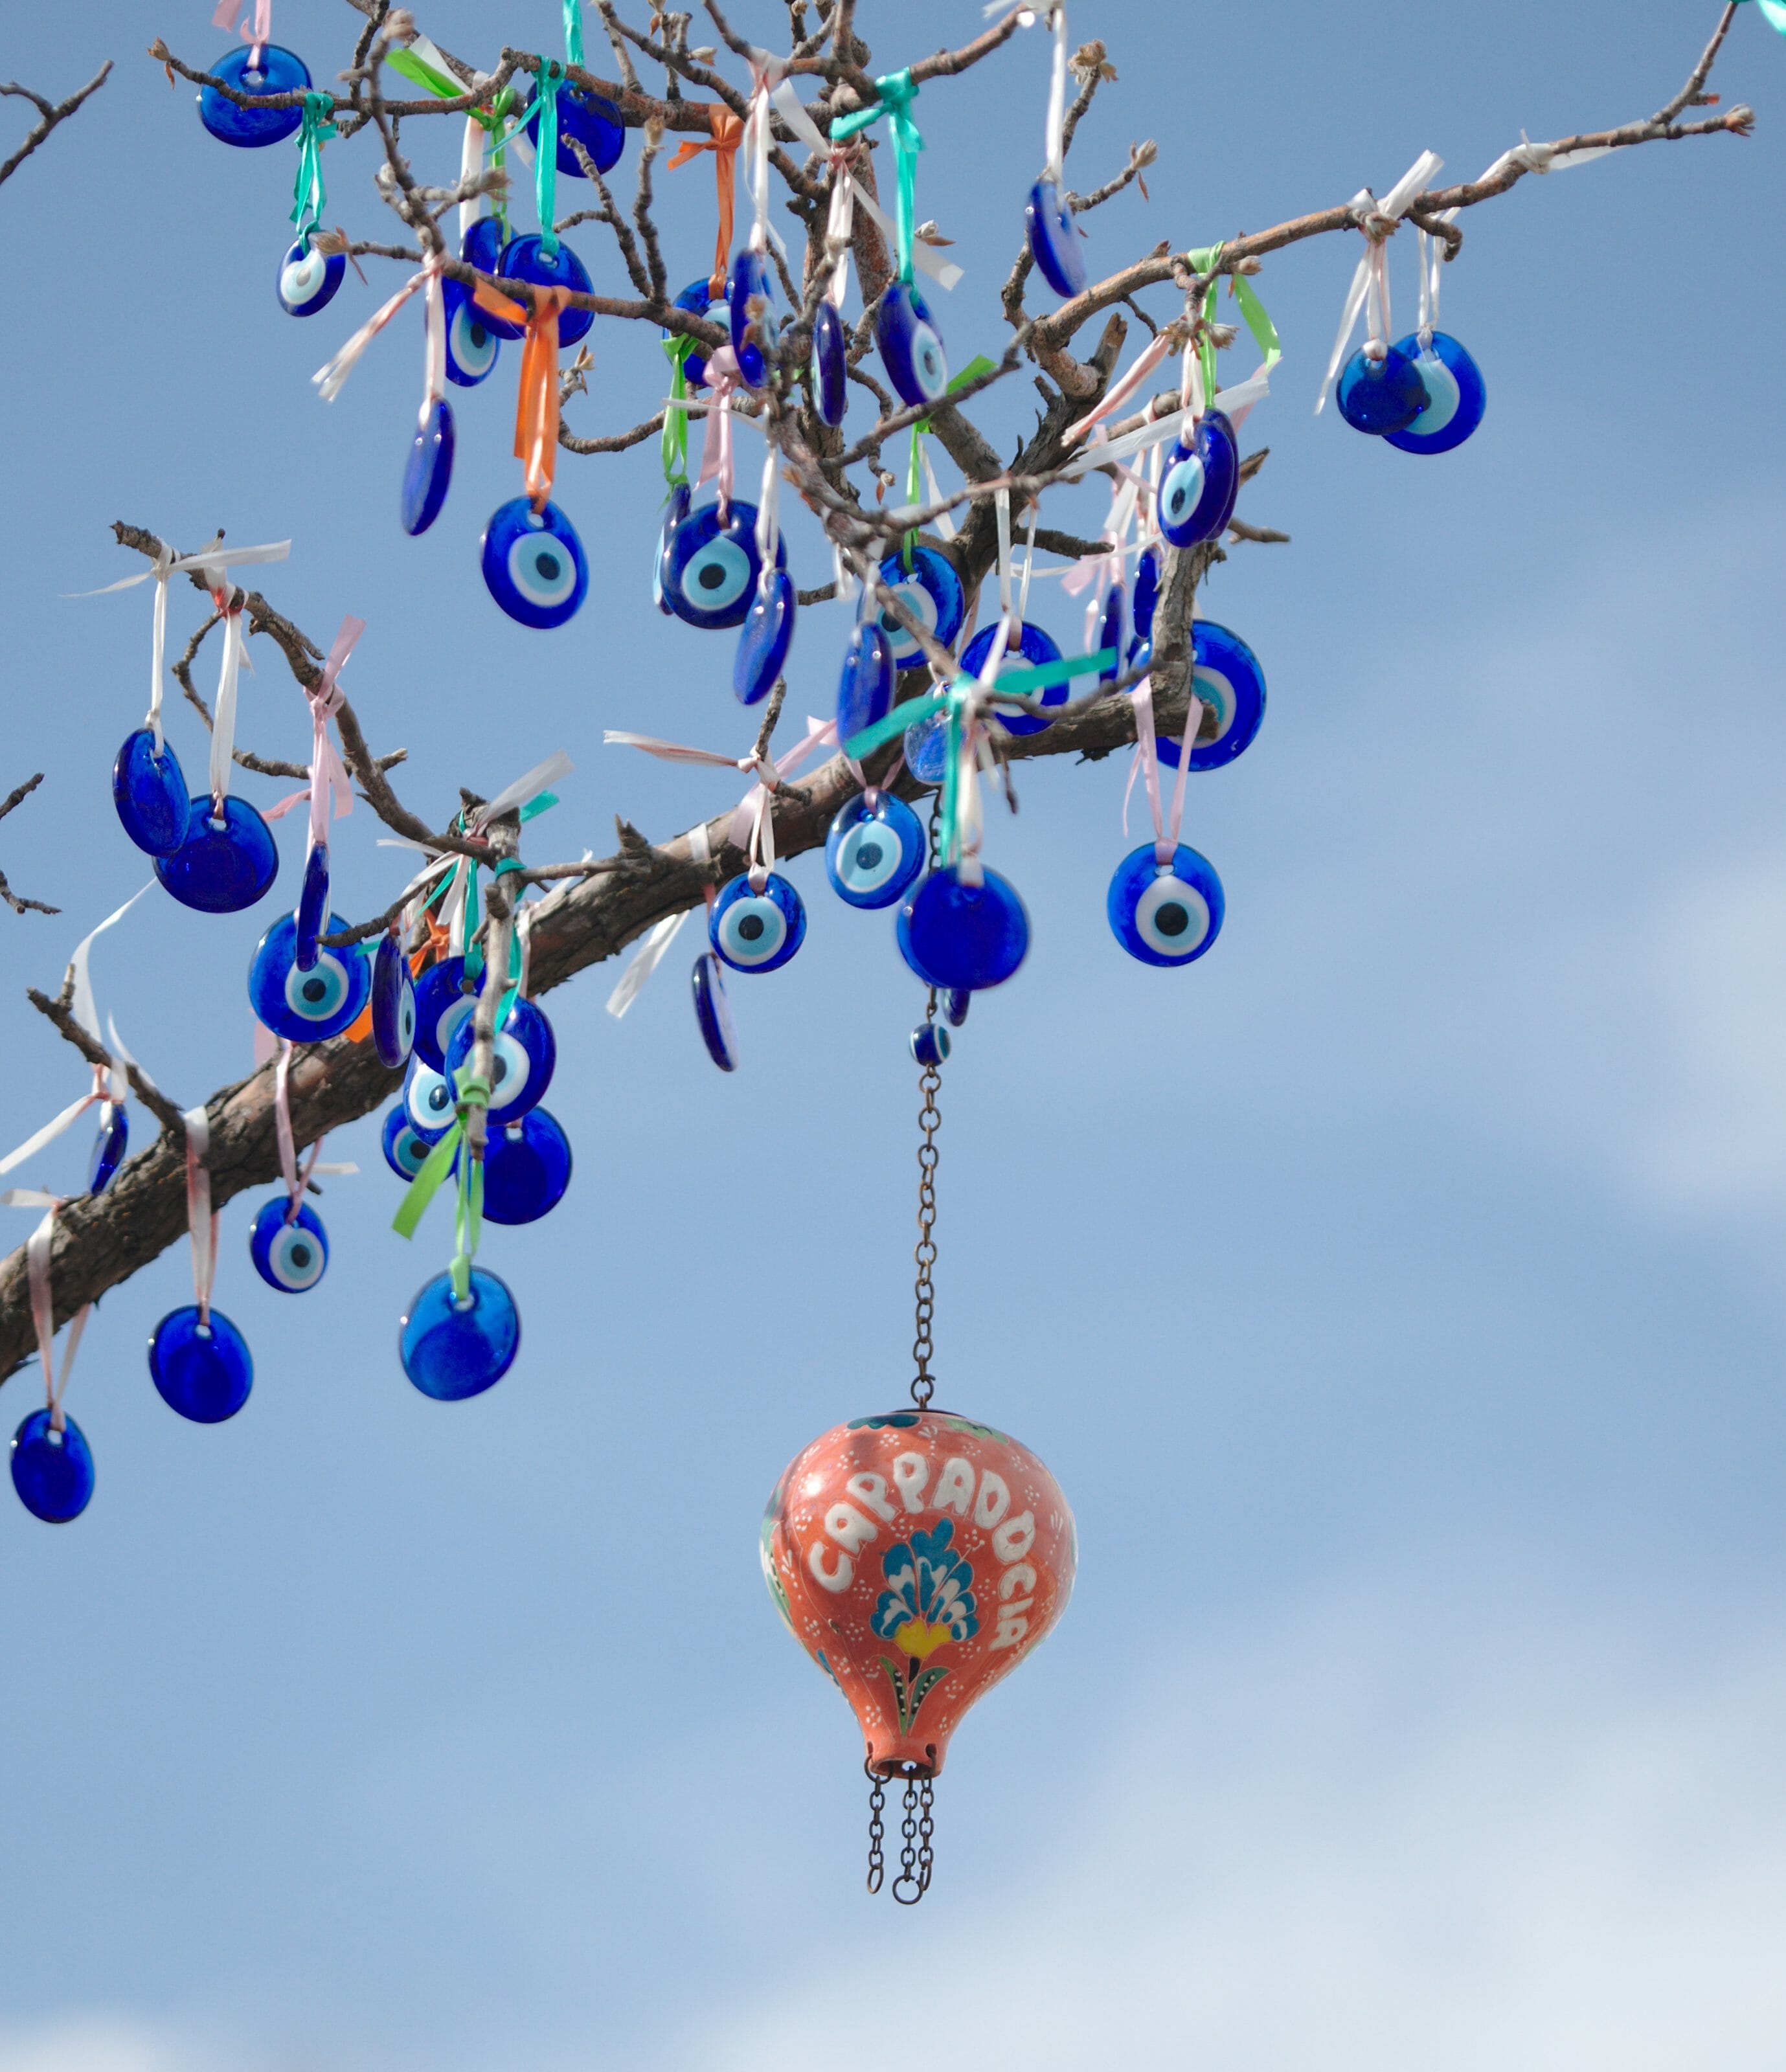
x=1774 y=11
x=311 y=197
x=572 y=32
x=546 y=152
x=896 y=92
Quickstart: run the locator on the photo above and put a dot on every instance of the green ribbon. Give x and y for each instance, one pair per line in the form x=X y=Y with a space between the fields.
x=914 y=475
x=467 y=1225
x=572 y=32
x=674 y=441
x=545 y=151
x=1265 y=332
x=472 y=1092
x=895 y=92
x=1028 y=676
x=311 y=197
x=445 y=87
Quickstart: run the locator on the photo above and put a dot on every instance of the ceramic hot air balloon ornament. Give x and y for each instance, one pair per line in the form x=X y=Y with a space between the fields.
x=258 y=70
x=198 y=1361
x=1379 y=389
x=1053 y=235
x=309 y=277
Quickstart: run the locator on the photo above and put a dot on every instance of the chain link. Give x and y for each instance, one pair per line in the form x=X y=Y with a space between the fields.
x=927 y=1829
x=876 y=1833
x=907 y=1889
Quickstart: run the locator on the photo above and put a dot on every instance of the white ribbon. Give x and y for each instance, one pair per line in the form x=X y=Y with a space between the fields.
x=223 y=720
x=201 y=1222
x=541 y=778
x=1543 y=158
x=658 y=938
x=1052 y=144
x=1393 y=206
x=331 y=379
x=769 y=519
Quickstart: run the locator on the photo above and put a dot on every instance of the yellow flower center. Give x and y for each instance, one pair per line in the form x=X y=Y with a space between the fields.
x=918 y=1638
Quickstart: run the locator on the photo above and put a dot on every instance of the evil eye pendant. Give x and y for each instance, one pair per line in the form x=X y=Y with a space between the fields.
x=53 y=1472
x=534 y=564
x=698 y=300
x=1146 y=593
x=1379 y=396
x=713 y=1012
x=453 y=1348
x=830 y=363
x=930 y=1043
x=289 y=1252
x=957 y=935
x=1169 y=915
x=1054 y=240
x=1114 y=632
x=428 y=470
x=865 y=686
x=768 y=634
x=149 y=790
x=527 y=259
x=911 y=347
x=482 y=246
x=1200 y=482
x=526 y=1052
x=202 y=1370
x=675 y=509
x=427 y=1102
x=873 y=853
x=278 y=70
x=955 y=1004
x=526 y=1170
x=313 y=906
x=592 y=120
x=393 y=1004
x=109 y=1146
x=404 y=1148
x=228 y=860
x=932 y=591
x=305 y=1006
x=308 y=279
x=757 y=931
x=712 y=570
x=441 y=1003
x=1032 y=648
x=1456 y=396
x=750 y=292
x=1226 y=675
x=471 y=347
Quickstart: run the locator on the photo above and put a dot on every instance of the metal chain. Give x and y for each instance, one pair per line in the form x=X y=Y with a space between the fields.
x=907 y=1888
x=923 y=1384
x=876 y=1833
x=927 y=1829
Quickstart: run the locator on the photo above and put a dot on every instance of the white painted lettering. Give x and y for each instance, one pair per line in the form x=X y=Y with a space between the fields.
x=835 y=1579
x=1022 y=1578
x=1015 y=1537
x=1012 y=1627
x=847 y=1526
x=954 y=1489
x=911 y=1472
x=871 y=1491
x=994 y=1500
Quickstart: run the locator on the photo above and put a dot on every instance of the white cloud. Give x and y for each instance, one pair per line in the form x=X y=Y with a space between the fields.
x=91 y=2044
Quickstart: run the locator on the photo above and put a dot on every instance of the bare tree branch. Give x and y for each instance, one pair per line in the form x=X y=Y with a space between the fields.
x=50 y=115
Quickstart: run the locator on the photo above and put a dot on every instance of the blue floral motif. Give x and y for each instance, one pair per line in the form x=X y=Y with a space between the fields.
x=898 y=1421
x=929 y=1597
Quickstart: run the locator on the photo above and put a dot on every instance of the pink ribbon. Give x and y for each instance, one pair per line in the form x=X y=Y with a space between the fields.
x=1146 y=762
x=328 y=773
x=1120 y=390
x=716 y=453
x=37 y=1276
x=259 y=32
x=199 y=1216
x=295 y=1180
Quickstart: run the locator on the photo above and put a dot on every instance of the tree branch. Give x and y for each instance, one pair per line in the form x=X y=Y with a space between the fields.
x=51 y=116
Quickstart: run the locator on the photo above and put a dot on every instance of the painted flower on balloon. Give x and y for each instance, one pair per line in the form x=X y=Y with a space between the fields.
x=928 y=1602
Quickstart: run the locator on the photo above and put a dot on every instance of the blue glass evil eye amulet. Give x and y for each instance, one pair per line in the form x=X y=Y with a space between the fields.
x=768 y=634
x=713 y=1012
x=865 y=686
x=1054 y=241
x=428 y=1101
x=757 y=931
x=1379 y=396
x=711 y=571
x=428 y=472
x=526 y=1170
x=392 y=1003
x=441 y=1003
x=932 y=591
x=482 y=246
x=830 y=363
x=404 y=1148
x=289 y=1252
x=472 y=346
x=278 y=71
x=675 y=509
x=1031 y=647
x=227 y=861
x=910 y=346
x=109 y=1145
x=1146 y=593
x=591 y=119
x=1201 y=483
x=1113 y=631
x=698 y=300
x=750 y=295
x=930 y=1043
x=53 y=1472
x=954 y=934
x=873 y=853
x=526 y=1053
x=527 y=259
x=1456 y=396
x=149 y=790
x=534 y=564
x=305 y=1006
x=203 y=1371
x=1167 y=915
x=308 y=279
x=452 y=1348
x=1226 y=675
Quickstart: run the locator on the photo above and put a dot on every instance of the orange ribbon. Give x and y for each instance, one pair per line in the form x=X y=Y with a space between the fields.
x=728 y=133
x=537 y=407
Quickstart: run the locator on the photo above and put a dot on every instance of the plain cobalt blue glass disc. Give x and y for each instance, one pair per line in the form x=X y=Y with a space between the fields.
x=968 y=936
x=675 y=509
x=405 y=1147
x=1201 y=483
x=872 y=854
x=392 y=1003
x=313 y=906
x=955 y=1004
x=308 y=279
x=750 y=281
x=222 y=866
x=699 y=300
x=757 y=931
x=1168 y=917
x=451 y=1350
x=1225 y=674
x=710 y=572
x=109 y=1146
x=1456 y=396
x=428 y=470
x=1146 y=593
x=931 y=591
x=864 y=688
x=926 y=749
x=526 y=1170
x=830 y=363
x=441 y=1003
x=150 y=794
x=279 y=71
x=1054 y=240
x=1032 y=647
x=52 y=1471
x=534 y=564
x=1382 y=395
x=768 y=634
x=290 y=1255
x=592 y=119
x=482 y=246
x=305 y=1006
x=203 y=1371
x=910 y=346
x=526 y=1056
x=713 y=1012
x=527 y=259
x=1113 y=631
x=471 y=347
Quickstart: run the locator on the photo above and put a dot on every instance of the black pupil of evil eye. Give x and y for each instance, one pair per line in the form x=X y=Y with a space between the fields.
x=1171 y=919
x=868 y=854
x=750 y=928
x=548 y=565
x=711 y=577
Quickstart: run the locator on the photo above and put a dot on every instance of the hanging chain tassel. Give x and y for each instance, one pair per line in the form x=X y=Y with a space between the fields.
x=876 y=1832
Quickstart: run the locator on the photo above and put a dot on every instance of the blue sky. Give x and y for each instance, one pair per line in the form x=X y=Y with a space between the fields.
x=1396 y=1293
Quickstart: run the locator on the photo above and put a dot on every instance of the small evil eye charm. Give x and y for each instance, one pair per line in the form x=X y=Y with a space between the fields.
x=471 y=347
x=911 y=347
x=1226 y=675
x=757 y=931
x=712 y=570
x=713 y=1012
x=428 y=470
x=1054 y=240
x=830 y=363
x=289 y=1252
x=864 y=688
x=454 y=1346
x=1112 y=632
x=52 y=1471
x=1456 y=395
x=675 y=509
x=305 y=1006
x=592 y=120
x=1031 y=648
x=442 y=1003
x=1379 y=396
x=393 y=1004
x=526 y=1052
x=768 y=634
x=750 y=293
x=482 y=246
x=930 y=1043
x=227 y=861
x=428 y=1101
x=268 y=70
x=873 y=853
x=1164 y=913
x=527 y=259
x=109 y=1146
x=1146 y=593
x=149 y=790
x=201 y=1368
x=406 y=1149
x=534 y=564
x=1200 y=482
x=955 y=935
x=308 y=279
x=312 y=907
x=931 y=590
x=955 y=1003
x=698 y=299
x=526 y=1170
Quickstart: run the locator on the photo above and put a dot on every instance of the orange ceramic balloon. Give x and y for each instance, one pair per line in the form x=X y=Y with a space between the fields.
x=917 y=1557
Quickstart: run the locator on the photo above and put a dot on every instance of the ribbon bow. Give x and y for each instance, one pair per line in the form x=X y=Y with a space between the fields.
x=1377 y=220
x=895 y=92
x=728 y=133
x=310 y=196
x=328 y=774
x=536 y=404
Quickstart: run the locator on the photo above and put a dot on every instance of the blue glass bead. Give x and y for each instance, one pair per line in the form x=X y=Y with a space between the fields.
x=768 y=634
x=291 y=1254
x=1226 y=675
x=931 y=591
x=929 y=1043
x=750 y=296
x=109 y=1146
x=442 y=1003
x=1379 y=396
x=865 y=688
x=1146 y=593
x=482 y=246
x=52 y=1471
x=308 y=279
x=1032 y=648
x=525 y=1055
x=150 y=794
x=1165 y=917
x=471 y=347
x=428 y=1101
x=675 y=509
x=757 y=931
x=202 y=1370
x=871 y=855
x=830 y=363
x=910 y=346
x=1054 y=239
x=1114 y=632
x=224 y=864
x=1199 y=482
x=527 y=259
x=699 y=300
x=451 y=1350
x=926 y=749
x=969 y=937
x=534 y=564
x=303 y=1006
x=955 y=1003
x=405 y=1147
x=278 y=71
x=429 y=471
x=392 y=1003
x=1140 y=653
x=526 y=1170
x=313 y=906
x=1456 y=396
x=713 y=1012
x=592 y=119
x=710 y=573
